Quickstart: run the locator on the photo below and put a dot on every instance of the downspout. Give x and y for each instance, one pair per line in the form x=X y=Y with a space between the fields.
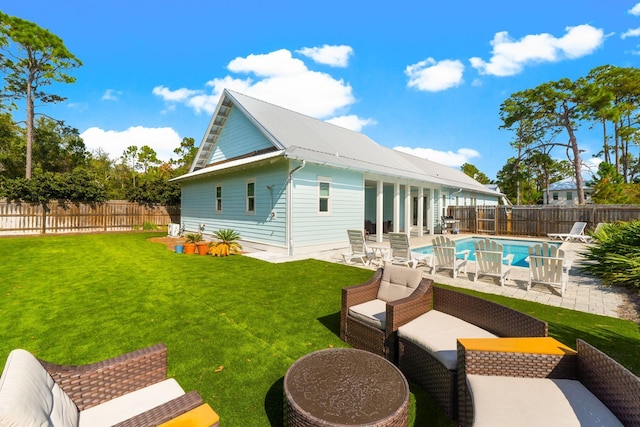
x=290 y=207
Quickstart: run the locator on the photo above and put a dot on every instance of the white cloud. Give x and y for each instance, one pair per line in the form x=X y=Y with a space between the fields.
x=448 y=158
x=275 y=77
x=634 y=32
x=111 y=95
x=511 y=56
x=162 y=140
x=335 y=56
x=635 y=10
x=351 y=122
x=433 y=76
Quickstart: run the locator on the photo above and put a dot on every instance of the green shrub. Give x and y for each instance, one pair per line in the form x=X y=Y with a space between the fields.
x=615 y=256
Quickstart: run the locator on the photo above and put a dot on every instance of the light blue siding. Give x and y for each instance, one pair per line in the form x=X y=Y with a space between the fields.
x=198 y=204
x=238 y=137
x=347 y=205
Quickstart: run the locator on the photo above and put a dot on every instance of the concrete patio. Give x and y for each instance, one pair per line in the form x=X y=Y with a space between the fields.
x=583 y=293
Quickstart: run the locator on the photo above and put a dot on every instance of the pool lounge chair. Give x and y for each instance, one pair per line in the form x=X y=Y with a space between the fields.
x=400 y=251
x=547 y=266
x=358 y=249
x=576 y=234
x=445 y=256
x=490 y=260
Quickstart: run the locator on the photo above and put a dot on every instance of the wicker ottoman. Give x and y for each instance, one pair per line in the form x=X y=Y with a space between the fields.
x=344 y=386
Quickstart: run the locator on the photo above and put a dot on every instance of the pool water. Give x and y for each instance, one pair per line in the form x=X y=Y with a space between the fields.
x=519 y=248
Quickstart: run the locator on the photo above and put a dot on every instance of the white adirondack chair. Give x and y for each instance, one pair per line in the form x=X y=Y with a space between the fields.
x=400 y=251
x=446 y=257
x=357 y=248
x=490 y=260
x=547 y=266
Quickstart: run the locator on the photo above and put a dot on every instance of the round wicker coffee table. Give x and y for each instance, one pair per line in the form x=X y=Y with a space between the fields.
x=344 y=387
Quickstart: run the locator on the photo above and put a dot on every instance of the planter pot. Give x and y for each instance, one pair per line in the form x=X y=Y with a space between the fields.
x=189 y=248
x=179 y=249
x=203 y=248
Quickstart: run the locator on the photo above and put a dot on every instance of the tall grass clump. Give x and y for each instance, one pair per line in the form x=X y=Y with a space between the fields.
x=615 y=256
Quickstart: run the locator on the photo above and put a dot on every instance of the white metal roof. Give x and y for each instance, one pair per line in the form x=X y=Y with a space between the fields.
x=301 y=137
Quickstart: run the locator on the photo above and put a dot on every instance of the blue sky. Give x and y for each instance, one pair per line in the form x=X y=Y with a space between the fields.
x=422 y=77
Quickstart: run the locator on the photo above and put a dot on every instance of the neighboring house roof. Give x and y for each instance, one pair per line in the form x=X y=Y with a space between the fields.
x=299 y=137
x=567 y=184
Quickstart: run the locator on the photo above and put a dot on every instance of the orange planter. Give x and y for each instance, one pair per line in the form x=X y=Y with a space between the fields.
x=189 y=248
x=203 y=248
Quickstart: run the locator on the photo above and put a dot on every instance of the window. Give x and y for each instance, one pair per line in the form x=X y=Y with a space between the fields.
x=251 y=197
x=219 y=198
x=324 y=195
x=569 y=195
x=555 y=196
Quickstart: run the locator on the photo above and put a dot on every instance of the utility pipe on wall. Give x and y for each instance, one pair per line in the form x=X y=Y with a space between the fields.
x=289 y=218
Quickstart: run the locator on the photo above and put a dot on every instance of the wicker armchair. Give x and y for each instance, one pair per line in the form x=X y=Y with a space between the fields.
x=368 y=334
x=613 y=385
x=93 y=384
x=423 y=368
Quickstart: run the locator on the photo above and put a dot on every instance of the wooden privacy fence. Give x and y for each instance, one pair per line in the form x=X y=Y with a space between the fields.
x=59 y=217
x=537 y=220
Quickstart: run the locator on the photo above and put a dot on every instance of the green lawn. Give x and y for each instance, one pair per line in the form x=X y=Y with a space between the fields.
x=232 y=325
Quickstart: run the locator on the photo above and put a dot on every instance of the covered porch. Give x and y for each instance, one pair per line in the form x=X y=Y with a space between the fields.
x=402 y=206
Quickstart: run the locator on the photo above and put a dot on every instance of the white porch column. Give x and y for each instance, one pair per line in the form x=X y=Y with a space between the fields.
x=408 y=217
x=379 y=210
x=420 y=211
x=396 y=207
x=431 y=205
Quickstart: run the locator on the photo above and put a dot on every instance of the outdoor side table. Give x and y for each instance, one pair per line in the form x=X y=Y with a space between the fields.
x=345 y=387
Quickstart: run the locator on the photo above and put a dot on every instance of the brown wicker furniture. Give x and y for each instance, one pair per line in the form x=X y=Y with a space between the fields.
x=433 y=366
x=375 y=330
x=543 y=385
x=79 y=390
x=345 y=386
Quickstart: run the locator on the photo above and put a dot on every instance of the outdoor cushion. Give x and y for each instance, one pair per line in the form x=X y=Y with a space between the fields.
x=372 y=313
x=398 y=282
x=437 y=332
x=126 y=406
x=30 y=397
x=499 y=401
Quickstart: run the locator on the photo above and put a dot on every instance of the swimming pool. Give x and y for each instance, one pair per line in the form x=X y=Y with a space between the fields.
x=519 y=248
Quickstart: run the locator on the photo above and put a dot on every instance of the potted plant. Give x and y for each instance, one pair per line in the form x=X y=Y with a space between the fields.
x=227 y=243
x=190 y=243
x=203 y=247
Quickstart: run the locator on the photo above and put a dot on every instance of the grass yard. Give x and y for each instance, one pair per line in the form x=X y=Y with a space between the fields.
x=232 y=325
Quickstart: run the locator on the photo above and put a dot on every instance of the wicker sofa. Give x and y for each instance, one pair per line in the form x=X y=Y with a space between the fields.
x=427 y=345
x=373 y=311
x=127 y=390
x=585 y=388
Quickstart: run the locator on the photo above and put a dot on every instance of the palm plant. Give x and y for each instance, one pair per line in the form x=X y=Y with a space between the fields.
x=193 y=237
x=615 y=256
x=227 y=243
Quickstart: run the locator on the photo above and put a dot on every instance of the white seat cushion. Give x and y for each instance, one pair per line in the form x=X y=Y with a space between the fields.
x=30 y=397
x=500 y=401
x=372 y=313
x=124 y=407
x=437 y=332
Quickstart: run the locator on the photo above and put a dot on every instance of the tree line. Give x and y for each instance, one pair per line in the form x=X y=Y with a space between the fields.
x=42 y=158
x=548 y=118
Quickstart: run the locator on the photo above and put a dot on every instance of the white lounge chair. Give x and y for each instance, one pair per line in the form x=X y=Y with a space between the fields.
x=575 y=234
x=490 y=260
x=400 y=252
x=547 y=266
x=446 y=256
x=357 y=248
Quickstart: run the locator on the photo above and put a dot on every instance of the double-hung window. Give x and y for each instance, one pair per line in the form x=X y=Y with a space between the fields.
x=251 y=197
x=324 y=195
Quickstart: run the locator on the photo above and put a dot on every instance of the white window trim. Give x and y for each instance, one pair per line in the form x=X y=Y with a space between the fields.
x=246 y=193
x=324 y=179
x=215 y=197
